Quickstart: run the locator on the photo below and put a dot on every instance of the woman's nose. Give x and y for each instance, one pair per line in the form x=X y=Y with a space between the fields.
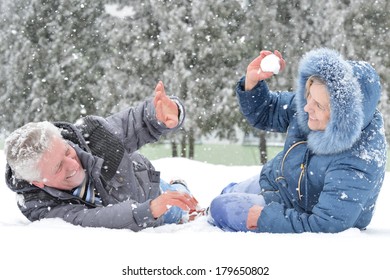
x=307 y=107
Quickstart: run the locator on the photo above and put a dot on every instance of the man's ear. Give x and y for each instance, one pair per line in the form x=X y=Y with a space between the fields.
x=38 y=184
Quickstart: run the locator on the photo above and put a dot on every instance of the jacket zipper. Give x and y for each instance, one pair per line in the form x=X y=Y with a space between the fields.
x=303 y=167
x=300 y=180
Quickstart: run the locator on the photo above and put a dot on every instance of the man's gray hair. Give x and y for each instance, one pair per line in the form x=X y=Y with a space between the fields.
x=25 y=146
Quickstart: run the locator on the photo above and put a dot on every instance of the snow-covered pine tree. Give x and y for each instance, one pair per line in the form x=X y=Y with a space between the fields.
x=367 y=26
x=199 y=49
x=53 y=56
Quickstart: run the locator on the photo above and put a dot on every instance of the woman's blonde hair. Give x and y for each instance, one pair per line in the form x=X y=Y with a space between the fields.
x=313 y=80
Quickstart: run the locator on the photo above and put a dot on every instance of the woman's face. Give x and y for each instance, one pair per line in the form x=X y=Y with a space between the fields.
x=318 y=107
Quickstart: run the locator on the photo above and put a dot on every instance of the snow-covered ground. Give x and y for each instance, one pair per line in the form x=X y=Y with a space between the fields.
x=53 y=249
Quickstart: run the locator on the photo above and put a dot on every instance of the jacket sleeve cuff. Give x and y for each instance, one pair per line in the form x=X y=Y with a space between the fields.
x=143 y=216
x=245 y=98
x=240 y=87
x=181 y=110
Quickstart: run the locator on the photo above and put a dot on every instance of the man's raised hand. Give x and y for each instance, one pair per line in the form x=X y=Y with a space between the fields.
x=167 y=111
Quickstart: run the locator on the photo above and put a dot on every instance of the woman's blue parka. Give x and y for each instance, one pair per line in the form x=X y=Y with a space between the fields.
x=322 y=181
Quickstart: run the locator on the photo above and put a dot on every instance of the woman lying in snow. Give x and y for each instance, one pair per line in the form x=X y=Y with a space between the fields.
x=331 y=169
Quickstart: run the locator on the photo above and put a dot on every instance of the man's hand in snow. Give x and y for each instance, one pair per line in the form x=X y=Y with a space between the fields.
x=167 y=111
x=162 y=203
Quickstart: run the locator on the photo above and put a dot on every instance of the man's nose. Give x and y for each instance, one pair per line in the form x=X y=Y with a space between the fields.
x=71 y=163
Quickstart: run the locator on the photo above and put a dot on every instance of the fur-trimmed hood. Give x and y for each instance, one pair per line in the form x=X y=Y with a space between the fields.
x=355 y=91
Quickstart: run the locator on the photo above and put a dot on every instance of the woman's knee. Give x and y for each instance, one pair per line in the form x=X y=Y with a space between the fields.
x=217 y=205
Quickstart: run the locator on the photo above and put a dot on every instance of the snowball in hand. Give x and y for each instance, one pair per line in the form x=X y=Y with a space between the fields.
x=270 y=63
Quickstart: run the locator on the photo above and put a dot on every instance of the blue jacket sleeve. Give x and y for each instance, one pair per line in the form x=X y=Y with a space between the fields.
x=266 y=110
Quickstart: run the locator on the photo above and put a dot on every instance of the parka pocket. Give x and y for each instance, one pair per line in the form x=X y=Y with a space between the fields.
x=284 y=192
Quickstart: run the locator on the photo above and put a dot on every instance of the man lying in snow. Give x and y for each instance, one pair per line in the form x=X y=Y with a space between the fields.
x=90 y=173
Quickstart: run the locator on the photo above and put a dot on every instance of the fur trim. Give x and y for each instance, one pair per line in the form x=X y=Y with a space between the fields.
x=346 y=117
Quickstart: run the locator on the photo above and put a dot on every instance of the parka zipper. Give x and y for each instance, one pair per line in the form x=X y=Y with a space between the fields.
x=300 y=180
x=303 y=167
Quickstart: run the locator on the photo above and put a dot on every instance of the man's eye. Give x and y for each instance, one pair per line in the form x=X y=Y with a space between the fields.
x=59 y=169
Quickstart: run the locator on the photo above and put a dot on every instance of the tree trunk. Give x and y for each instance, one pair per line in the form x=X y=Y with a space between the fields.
x=191 y=144
x=183 y=152
x=174 y=148
x=263 y=147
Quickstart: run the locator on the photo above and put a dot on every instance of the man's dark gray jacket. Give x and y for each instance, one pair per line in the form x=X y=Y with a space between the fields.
x=125 y=180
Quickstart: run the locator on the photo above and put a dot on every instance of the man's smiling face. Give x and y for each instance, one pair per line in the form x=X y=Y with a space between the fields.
x=60 y=167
